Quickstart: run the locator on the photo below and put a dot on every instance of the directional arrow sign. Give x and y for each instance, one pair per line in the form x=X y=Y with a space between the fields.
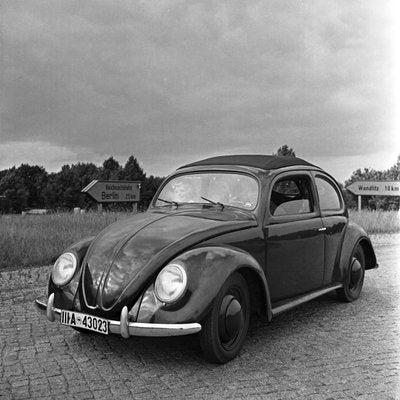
x=113 y=191
x=368 y=188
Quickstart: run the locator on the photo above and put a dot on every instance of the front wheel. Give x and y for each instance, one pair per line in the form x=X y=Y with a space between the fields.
x=354 y=282
x=225 y=327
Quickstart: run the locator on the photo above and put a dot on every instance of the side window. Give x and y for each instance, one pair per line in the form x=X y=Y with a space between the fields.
x=291 y=196
x=329 y=199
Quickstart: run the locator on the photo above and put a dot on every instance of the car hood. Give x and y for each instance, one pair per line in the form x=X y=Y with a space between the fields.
x=124 y=256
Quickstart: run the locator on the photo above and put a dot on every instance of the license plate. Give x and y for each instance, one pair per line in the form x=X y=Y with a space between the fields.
x=84 y=321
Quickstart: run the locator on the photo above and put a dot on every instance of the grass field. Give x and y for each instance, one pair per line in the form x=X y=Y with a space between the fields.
x=377 y=221
x=38 y=239
x=32 y=240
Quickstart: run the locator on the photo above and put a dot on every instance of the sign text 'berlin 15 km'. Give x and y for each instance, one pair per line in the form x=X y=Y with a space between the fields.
x=379 y=188
x=113 y=191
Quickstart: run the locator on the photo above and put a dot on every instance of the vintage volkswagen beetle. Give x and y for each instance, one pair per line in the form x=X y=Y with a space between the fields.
x=223 y=238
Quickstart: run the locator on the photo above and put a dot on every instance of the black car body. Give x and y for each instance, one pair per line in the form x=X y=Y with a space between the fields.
x=255 y=234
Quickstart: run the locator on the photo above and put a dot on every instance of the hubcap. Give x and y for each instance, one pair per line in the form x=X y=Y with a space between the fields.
x=231 y=319
x=356 y=273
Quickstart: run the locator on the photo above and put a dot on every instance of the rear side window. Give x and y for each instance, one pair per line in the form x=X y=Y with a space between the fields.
x=291 y=195
x=329 y=199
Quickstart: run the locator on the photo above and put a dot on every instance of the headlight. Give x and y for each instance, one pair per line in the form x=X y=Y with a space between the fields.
x=64 y=269
x=171 y=283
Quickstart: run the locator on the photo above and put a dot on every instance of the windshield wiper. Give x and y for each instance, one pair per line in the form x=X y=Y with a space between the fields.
x=216 y=203
x=176 y=204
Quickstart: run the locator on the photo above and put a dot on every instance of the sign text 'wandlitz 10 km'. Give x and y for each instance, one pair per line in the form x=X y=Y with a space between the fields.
x=379 y=188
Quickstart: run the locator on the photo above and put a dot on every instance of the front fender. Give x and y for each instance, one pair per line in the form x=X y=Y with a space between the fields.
x=354 y=236
x=64 y=296
x=207 y=269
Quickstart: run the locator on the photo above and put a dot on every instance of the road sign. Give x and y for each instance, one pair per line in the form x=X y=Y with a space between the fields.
x=378 y=188
x=113 y=191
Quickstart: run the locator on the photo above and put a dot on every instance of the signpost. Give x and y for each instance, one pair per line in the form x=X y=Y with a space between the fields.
x=374 y=188
x=113 y=191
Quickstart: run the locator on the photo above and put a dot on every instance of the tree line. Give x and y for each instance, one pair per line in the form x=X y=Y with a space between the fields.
x=28 y=187
x=32 y=187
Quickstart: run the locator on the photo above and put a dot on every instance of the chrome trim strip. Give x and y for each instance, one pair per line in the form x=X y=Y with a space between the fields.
x=303 y=299
x=123 y=327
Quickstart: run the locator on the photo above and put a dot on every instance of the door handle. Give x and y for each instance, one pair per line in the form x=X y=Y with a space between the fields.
x=321 y=229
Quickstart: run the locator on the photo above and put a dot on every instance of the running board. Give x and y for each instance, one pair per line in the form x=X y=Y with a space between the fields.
x=296 y=301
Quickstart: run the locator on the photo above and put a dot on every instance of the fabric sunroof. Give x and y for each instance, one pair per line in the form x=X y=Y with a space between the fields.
x=266 y=162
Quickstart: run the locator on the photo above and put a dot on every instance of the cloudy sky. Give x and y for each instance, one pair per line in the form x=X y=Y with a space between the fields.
x=175 y=81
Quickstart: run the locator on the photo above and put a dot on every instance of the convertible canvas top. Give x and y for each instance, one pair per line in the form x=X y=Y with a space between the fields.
x=266 y=162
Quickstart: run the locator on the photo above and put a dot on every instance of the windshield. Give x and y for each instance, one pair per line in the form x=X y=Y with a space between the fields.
x=227 y=189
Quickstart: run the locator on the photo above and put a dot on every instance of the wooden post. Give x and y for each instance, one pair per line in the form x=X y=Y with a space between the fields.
x=359 y=202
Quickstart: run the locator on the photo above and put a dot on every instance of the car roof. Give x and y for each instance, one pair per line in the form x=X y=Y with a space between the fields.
x=265 y=162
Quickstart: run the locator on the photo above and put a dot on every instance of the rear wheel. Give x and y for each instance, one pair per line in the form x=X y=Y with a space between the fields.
x=354 y=282
x=225 y=327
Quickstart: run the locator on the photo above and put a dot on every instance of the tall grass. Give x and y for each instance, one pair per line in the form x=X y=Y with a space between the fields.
x=38 y=239
x=377 y=221
x=32 y=240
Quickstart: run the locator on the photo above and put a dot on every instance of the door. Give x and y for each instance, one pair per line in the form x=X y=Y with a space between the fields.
x=294 y=237
x=334 y=220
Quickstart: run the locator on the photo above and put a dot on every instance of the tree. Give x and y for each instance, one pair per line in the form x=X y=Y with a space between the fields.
x=394 y=172
x=59 y=192
x=64 y=188
x=285 y=150
x=13 y=187
x=111 y=170
x=35 y=180
x=22 y=187
x=3 y=173
x=133 y=171
x=149 y=189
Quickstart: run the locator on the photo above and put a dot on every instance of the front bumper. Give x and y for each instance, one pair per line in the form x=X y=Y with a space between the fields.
x=123 y=327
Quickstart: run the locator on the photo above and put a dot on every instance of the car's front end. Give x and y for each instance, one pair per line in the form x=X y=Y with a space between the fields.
x=152 y=274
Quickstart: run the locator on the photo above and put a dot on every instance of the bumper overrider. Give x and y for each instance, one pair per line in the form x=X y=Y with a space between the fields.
x=123 y=327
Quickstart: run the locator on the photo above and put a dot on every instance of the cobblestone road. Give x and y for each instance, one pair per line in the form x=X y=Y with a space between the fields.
x=322 y=350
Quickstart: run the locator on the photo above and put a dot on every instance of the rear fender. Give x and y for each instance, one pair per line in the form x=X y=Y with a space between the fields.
x=354 y=236
x=207 y=270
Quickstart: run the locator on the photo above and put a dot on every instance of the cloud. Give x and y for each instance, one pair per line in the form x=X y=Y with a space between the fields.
x=175 y=80
x=33 y=153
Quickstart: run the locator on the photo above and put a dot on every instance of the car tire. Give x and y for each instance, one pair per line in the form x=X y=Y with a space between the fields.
x=355 y=277
x=225 y=327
